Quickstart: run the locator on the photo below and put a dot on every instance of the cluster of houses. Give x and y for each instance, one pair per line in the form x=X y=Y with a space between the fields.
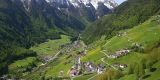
x=119 y=54
x=122 y=66
x=85 y=67
x=89 y=67
x=122 y=34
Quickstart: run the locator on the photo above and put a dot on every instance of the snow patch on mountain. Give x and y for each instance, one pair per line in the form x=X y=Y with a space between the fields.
x=76 y=3
x=47 y=1
x=109 y=3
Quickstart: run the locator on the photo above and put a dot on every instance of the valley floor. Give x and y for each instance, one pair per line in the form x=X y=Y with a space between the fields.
x=132 y=55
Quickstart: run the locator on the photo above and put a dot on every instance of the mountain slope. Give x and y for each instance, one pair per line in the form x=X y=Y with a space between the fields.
x=129 y=37
x=84 y=8
x=137 y=11
x=24 y=23
x=20 y=30
x=146 y=36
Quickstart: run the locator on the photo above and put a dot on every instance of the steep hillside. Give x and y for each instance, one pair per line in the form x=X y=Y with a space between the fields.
x=127 y=15
x=142 y=41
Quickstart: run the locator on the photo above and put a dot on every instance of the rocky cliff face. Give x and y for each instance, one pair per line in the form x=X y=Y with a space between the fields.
x=90 y=9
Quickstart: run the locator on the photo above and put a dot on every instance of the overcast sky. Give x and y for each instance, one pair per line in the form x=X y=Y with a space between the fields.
x=120 y=1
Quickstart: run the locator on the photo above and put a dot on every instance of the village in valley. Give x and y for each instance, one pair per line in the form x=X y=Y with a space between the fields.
x=75 y=59
x=90 y=67
x=80 y=68
x=72 y=54
x=75 y=51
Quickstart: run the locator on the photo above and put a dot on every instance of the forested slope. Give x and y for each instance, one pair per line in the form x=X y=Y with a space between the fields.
x=125 y=16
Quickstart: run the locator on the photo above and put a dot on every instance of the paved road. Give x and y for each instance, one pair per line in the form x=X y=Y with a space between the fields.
x=55 y=56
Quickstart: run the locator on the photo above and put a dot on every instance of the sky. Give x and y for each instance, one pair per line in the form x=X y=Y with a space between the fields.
x=120 y=1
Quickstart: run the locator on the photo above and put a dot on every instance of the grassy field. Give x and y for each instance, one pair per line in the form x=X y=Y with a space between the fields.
x=24 y=65
x=146 y=34
x=61 y=66
x=85 y=76
x=93 y=55
x=51 y=47
x=130 y=58
x=44 y=49
x=129 y=77
x=66 y=61
x=63 y=63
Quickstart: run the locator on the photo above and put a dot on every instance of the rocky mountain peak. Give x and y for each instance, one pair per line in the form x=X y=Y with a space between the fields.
x=76 y=3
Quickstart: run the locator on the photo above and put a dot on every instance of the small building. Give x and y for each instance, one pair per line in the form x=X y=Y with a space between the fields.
x=122 y=66
x=119 y=53
x=73 y=72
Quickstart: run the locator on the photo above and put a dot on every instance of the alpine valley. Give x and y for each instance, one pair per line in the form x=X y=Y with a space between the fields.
x=79 y=40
